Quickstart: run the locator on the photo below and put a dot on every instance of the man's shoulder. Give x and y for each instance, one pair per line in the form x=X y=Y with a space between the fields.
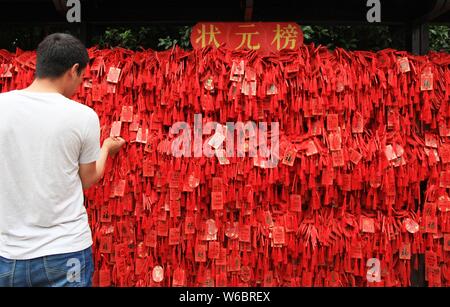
x=82 y=108
x=6 y=94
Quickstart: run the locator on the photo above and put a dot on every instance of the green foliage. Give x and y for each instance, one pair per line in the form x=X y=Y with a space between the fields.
x=123 y=37
x=145 y=37
x=439 y=38
x=349 y=37
x=183 y=39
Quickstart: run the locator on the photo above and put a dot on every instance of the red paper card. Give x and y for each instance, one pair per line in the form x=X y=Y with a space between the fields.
x=106 y=243
x=222 y=260
x=357 y=123
x=234 y=263
x=295 y=203
x=174 y=236
x=367 y=224
x=431 y=140
x=289 y=157
x=96 y=92
x=272 y=89
x=316 y=128
x=119 y=189
x=316 y=106
x=443 y=202
x=189 y=225
x=334 y=139
x=127 y=114
x=429 y=209
x=213 y=250
x=244 y=233
x=245 y=273
x=444 y=153
x=175 y=208
x=327 y=177
x=389 y=152
x=115 y=129
x=134 y=126
x=200 y=253
x=346 y=182
x=403 y=64
x=405 y=251
x=217 y=185
x=290 y=223
x=426 y=82
x=151 y=238
x=148 y=168
x=311 y=148
x=141 y=137
x=5 y=70
x=162 y=229
x=278 y=235
x=216 y=200
x=105 y=217
x=179 y=278
x=113 y=74
x=443 y=129
x=431 y=224
x=337 y=158
x=354 y=156
x=447 y=242
x=332 y=122
x=356 y=250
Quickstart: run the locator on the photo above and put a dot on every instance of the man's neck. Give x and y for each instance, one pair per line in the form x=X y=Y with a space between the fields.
x=44 y=86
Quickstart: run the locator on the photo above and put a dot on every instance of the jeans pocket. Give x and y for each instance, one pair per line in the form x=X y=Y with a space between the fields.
x=6 y=272
x=66 y=270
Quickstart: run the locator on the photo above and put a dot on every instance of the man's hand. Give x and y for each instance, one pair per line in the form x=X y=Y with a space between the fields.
x=113 y=144
x=91 y=173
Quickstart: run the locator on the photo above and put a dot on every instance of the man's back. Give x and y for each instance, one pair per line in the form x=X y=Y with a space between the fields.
x=43 y=138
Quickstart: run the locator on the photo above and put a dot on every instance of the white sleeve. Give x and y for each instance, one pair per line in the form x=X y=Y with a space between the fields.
x=90 y=148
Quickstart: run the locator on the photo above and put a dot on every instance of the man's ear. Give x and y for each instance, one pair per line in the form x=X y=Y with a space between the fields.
x=74 y=70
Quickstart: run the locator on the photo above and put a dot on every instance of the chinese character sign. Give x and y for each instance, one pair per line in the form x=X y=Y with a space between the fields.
x=260 y=36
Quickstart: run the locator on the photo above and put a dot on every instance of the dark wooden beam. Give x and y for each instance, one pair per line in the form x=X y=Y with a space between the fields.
x=248 y=10
x=418 y=38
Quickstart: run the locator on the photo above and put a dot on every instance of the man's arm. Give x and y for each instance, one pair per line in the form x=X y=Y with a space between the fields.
x=91 y=173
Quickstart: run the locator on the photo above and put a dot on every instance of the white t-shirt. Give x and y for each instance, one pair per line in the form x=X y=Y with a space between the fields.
x=43 y=138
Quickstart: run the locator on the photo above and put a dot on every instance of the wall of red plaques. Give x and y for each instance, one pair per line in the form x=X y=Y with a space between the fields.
x=359 y=132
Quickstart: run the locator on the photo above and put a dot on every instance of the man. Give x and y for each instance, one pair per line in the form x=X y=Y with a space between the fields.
x=49 y=151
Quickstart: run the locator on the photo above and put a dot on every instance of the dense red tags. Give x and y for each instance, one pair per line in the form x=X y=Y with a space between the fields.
x=358 y=170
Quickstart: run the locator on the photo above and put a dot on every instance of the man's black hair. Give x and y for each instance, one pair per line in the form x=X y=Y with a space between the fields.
x=57 y=53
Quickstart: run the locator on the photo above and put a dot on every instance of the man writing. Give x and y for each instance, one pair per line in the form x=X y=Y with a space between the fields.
x=49 y=152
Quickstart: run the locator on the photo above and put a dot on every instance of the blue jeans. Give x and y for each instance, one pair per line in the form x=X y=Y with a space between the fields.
x=62 y=270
